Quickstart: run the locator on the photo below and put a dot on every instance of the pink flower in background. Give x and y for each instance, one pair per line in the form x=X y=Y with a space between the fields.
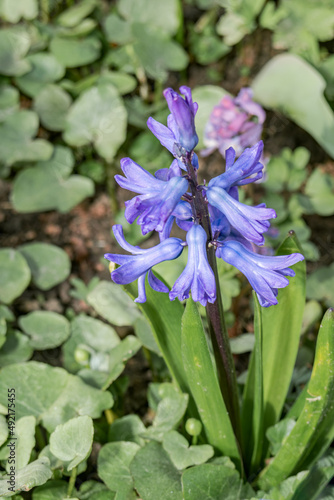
x=235 y=122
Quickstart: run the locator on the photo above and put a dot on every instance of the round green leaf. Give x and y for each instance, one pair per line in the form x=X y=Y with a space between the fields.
x=74 y=15
x=183 y=455
x=72 y=53
x=25 y=434
x=17 y=143
x=122 y=81
x=165 y=15
x=72 y=441
x=52 y=105
x=113 y=304
x=15 y=349
x=15 y=275
x=51 y=394
x=98 y=116
x=46 y=329
x=51 y=191
x=9 y=101
x=56 y=489
x=45 y=68
x=14 y=45
x=33 y=474
x=14 y=11
x=113 y=466
x=49 y=264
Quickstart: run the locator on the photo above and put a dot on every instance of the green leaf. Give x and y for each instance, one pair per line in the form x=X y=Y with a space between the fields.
x=98 y=116
x=320 y=285
x=117 y=30
x=144 y=332
x=15 y=274
x=128 y=428
x=15 y=349
x=18 y=144
x=52 y=105
x=278 y=433
x=14 y=45
x=207 y=96
x=72 y=441
x=51 y=190
x=49 y=264
x=9 y=101
x=46 y=329
x=25 y=434
x=314 y=429
x=290 y=85
x=204 y=385
x=73 y=53
x=281 y=326
x=113 y=467
x=3 y=429
x=183 y=455
x=252 y=417
x=74 y=15
x=109 y=300
x=34 y=474
x=243 y=343
x=320 y=474
x=45 y=68
x=55 y=489
x=153 y=471
x=60 y=397
x=87 y=332
x=156 y=52
x=165 y=317
x=169 y=414
x=123 y=82
x=26 y=9
x=211 y=482
x=165 y=16
x=320 y=189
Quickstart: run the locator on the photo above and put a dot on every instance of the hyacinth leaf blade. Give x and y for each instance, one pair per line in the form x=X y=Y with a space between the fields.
x=252 y=407
x=204 y=385
x=314 y=429
x=165 y=318
x=280 y=326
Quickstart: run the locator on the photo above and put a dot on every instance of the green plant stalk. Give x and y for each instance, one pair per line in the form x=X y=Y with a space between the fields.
x=215 y=315
x=45 y=6
x=72 y=481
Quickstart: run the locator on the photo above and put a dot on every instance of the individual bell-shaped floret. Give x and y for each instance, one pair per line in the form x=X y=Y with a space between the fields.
x=197 y=276
x=157 y=198
x=245 y=170
x=265 y=274
x=138 y=265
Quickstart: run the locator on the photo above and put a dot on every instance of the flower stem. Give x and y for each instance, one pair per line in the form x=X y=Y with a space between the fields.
x=215 y=313
x=71 y=483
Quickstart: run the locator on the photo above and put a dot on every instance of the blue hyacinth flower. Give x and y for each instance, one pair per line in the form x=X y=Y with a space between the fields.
x=245 y=170
x=179 y=136
x=265 y=274
x=138 y=265
x=251 y=222
x=157 y=198
x=197 y=276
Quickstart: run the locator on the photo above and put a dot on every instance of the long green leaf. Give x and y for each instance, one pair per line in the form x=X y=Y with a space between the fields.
x=252 y=409
x=317 y=479
x=165 y=319
x=204 y=385
x=281 y=325
x=314 y=430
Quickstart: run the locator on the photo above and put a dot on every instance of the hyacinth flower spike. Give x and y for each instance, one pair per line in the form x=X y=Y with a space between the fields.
x=139 y=264
x=197 y=276
x=157 y=198
x=265 y=274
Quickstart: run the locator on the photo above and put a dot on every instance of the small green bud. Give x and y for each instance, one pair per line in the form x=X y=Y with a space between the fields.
x=193 y=427
x=81 y=356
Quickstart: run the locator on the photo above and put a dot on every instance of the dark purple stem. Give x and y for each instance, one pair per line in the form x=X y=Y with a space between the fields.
x=215 y=313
